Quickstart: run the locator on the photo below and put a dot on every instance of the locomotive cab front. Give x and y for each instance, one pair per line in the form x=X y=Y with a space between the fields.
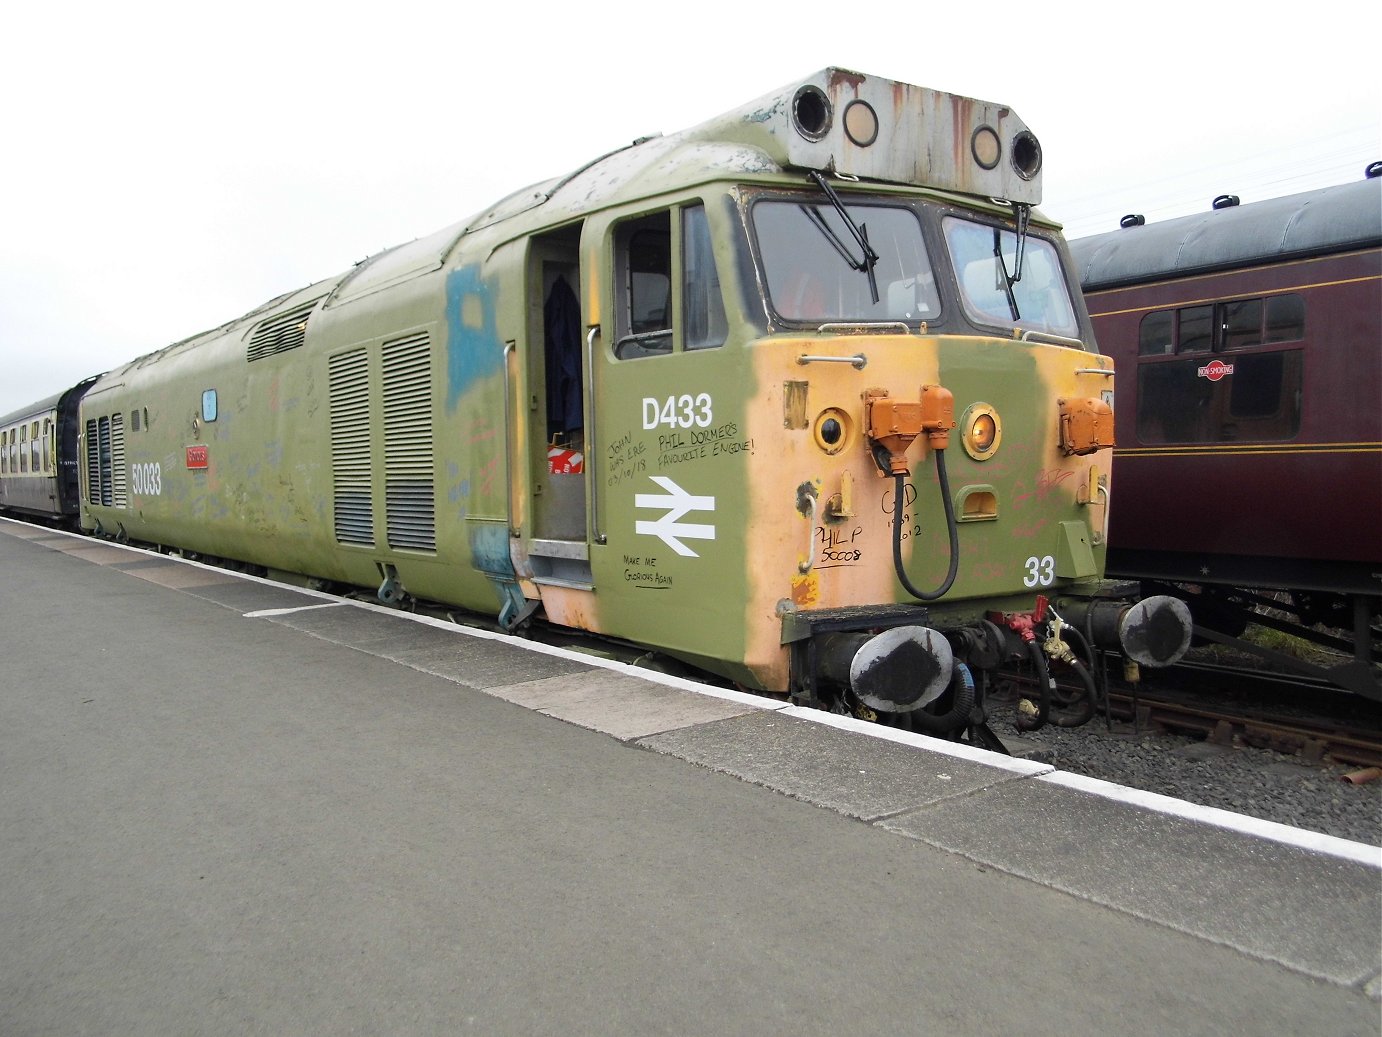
x=850 y=442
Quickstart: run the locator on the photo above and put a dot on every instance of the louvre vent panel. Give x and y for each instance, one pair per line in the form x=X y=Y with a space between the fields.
x=93 y=463
x=119 y=483
x=353 y=506
x=409 y=495
x=281 y=332
x=103 y=446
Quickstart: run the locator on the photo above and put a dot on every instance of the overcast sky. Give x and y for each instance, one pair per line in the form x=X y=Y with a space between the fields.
x=167 y=167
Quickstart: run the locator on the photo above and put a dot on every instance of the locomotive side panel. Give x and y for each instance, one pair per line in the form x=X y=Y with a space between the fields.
x=316 y=457
x=208 y=448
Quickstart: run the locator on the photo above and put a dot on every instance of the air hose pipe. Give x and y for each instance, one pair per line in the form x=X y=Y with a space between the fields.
x=899 y=482
x=1036 y=722
x=961 y=706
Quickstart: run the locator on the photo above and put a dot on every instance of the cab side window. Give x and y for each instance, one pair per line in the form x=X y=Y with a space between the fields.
x=643 y=261
x=667 y=286
x=703 y=307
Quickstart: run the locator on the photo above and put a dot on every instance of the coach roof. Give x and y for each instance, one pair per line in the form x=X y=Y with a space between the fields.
x=1332 y=219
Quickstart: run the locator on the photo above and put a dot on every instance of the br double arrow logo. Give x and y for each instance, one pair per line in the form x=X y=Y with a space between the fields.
x=669 y=528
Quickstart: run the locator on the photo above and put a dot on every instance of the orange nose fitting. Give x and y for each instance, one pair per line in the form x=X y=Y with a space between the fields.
x=937 y=415
x=893 y=424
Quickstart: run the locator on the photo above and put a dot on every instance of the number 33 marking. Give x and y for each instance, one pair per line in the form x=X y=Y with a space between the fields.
x=1041 y=572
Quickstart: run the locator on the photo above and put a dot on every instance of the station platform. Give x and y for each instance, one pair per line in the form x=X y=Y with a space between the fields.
x=232 y=806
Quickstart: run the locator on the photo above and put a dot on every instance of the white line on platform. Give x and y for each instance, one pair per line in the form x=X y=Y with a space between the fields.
x=270 y=613
x=1316 y=842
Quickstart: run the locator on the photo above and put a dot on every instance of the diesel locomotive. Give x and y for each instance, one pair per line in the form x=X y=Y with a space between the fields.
x=805 y=396
x=1249 y=417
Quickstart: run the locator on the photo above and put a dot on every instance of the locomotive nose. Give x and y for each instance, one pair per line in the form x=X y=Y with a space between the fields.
x=897 y=671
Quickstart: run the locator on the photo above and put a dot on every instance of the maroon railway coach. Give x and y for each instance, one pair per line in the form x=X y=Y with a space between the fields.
x=1248 y=419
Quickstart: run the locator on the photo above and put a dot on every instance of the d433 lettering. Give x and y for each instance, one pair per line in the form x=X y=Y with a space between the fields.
x=684 y=411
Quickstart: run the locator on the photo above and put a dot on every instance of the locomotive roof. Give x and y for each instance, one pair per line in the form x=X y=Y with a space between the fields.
x=1332 y=219
x=833 y=121
x=861 y=127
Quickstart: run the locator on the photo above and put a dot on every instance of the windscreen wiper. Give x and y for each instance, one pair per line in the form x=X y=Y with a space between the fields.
x=860 y=234
x=1022 y=216
x=1003 y=277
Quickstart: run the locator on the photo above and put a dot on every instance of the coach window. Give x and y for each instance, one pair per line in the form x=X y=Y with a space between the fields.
x=1157 y=335
x=1239 y=392
x=1195 y=333
x=23 y=448
x=1241 y=323
x=1285 y=319
x=4 y=452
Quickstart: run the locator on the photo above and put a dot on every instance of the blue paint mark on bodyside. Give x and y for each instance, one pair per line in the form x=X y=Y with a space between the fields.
x=489 y=550
x=473 y=348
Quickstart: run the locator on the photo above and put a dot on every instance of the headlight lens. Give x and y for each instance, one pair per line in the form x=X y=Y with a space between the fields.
x=832 y=430
x=983 y=431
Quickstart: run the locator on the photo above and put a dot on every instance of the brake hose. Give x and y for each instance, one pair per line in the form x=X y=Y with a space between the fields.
x=950 y=525
x=1043 y=681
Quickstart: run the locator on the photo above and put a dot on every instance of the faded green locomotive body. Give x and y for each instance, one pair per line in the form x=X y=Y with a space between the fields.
x=689 y=396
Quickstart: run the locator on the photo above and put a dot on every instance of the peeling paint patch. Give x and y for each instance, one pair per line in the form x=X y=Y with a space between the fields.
x=473 y=348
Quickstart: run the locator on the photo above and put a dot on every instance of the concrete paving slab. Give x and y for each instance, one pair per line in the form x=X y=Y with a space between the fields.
x=176 y=576
x=862 y=778
x=402 y=637
x=249 y=596
x=360 y=627
x=97 y=553
x=145 y=560
x=1315 y=914
x=615 y=704
x=482 y=664
x=25 y=532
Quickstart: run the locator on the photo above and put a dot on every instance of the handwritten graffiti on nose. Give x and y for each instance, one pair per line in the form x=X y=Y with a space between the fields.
x=909 y=497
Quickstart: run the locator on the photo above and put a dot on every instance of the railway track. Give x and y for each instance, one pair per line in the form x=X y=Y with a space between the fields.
x=1233 y=706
